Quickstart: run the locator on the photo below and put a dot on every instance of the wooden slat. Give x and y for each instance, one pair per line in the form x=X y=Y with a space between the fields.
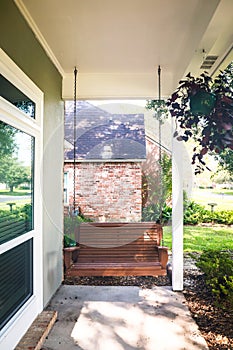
x=118 y=233
x=114 y=269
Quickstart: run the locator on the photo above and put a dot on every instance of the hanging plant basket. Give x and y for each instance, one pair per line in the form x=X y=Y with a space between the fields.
x=203 y=109
x=202 y=103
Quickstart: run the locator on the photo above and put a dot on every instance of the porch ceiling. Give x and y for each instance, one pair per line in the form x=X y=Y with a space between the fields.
x=120 y=39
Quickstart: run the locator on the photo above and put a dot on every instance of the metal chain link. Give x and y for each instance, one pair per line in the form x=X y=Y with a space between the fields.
x=74 y=138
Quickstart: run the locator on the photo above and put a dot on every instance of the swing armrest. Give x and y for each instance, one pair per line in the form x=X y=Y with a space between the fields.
x=70 y=256
x=163 y=256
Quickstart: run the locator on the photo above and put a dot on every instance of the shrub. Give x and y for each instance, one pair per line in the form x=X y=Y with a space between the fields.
x=218 y=269
x=193 y=213
x=223 y=217
x=23 y=213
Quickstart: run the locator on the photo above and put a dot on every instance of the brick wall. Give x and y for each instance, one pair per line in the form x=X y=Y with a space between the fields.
x=107 y=191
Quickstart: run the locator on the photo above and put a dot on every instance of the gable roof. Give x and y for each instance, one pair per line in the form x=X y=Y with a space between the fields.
x=103 y=136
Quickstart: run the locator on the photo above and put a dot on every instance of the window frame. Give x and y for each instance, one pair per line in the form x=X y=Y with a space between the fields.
x=12 y=332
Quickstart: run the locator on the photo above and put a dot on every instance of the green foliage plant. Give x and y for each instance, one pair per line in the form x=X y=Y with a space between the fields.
x=211 y=127
x=71 y=224
x=218 y=269
x=195 y=213
x=156 y=192
x=160 y=108
x=152 y=213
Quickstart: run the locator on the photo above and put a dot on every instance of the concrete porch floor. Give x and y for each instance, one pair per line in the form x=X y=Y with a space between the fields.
x=122 y=318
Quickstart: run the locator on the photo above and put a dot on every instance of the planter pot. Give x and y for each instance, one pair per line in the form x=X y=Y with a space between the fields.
x=202 y=103
x=70 y=256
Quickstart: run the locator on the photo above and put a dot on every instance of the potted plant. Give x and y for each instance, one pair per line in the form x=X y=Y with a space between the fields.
x=71 y=247
x=203 y=110
x=70 y=251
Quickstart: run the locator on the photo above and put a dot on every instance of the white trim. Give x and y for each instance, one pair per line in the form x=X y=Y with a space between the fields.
x=18 y=325
x=6 y=109
x=16 y=241
x=177 y=214
x=39 y=36
x=66 y=186
x=18 y=78
x=110 y=86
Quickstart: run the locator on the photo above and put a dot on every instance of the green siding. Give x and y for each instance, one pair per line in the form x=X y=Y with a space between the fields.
x=20 y=44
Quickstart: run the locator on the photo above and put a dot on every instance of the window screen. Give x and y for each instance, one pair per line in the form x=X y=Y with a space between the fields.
x=16 y=285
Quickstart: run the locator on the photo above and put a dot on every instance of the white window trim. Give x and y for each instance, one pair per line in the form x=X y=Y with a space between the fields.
x=20 y=322
x=18 y=78
x=66 y=187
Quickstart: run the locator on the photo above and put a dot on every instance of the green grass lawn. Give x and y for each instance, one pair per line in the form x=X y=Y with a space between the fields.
x=199 y=238
x=17 y=192
x=18 y=202
x=228 y=192
x=204 y=196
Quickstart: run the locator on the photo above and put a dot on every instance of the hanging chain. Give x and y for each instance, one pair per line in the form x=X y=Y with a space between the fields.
x=74 y=138
x=160 y=149
x=159 y=111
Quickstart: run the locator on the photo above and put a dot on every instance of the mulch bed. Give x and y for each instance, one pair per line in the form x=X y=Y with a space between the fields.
x=215 y=324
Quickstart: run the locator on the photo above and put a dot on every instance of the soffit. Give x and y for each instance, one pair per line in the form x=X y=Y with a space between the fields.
x=131 y=36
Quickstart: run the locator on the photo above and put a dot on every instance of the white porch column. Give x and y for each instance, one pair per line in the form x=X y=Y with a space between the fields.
x=177 y=215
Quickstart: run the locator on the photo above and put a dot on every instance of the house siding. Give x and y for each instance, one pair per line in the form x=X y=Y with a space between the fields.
x=20 y=44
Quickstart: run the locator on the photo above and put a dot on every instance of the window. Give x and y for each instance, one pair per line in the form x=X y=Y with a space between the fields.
x=66 y=201
x=16 y=97
x=16 y=180
x=21 y=134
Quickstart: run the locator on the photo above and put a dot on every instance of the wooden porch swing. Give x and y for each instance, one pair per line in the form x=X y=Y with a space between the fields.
x=117 y=249
x=114 y=249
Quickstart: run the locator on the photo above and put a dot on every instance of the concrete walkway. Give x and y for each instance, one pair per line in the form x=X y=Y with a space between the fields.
x=122 y=318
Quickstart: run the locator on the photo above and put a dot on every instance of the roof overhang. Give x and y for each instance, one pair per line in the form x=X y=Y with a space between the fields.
x=117 y=45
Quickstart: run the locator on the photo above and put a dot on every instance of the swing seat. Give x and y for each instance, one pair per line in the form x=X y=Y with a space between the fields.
x=118 y=249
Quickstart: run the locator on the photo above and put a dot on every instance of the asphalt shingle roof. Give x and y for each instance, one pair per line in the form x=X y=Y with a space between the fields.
x=101 y=135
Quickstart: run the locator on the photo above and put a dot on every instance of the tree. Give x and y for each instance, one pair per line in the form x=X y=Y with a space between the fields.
x=221 y=177
x=13 y=173
x=7 y=139
x=225 y=159
x=157 y=189
x=166 y=165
